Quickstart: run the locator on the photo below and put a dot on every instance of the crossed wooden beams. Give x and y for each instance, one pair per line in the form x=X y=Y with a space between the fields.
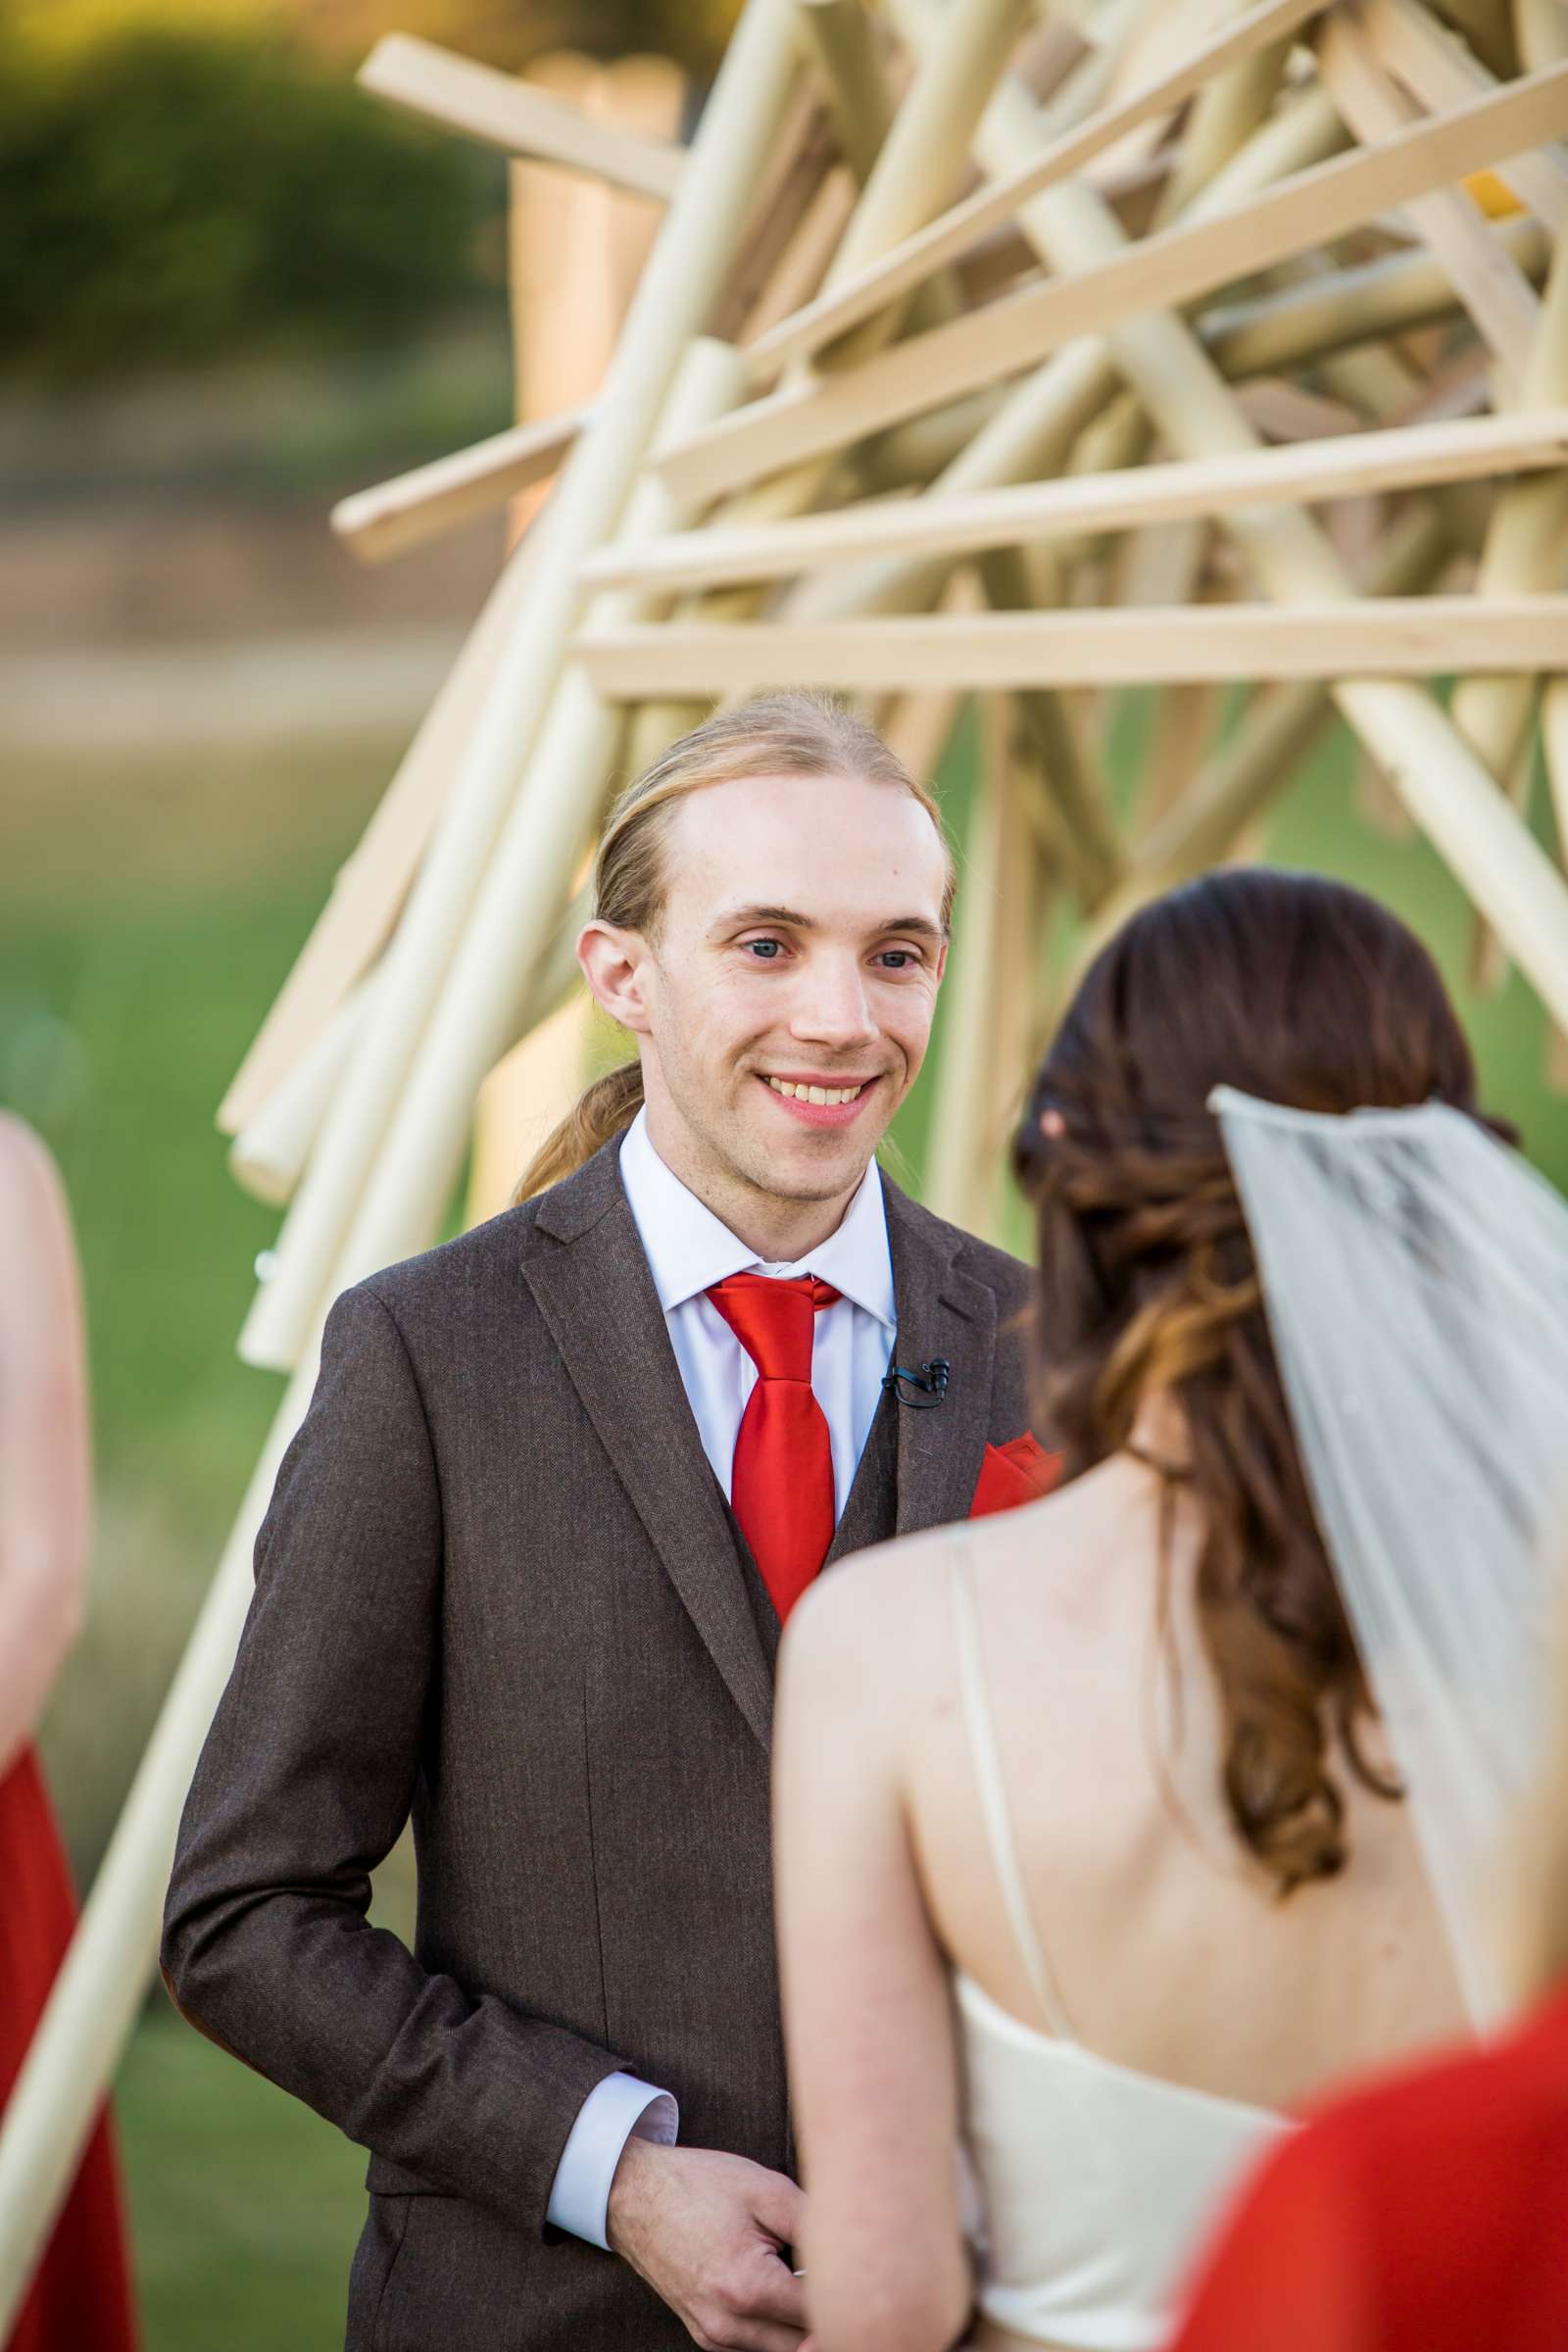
x=1170 y=341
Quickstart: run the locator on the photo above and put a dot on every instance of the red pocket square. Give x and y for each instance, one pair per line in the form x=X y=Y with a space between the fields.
x=1021 y=1471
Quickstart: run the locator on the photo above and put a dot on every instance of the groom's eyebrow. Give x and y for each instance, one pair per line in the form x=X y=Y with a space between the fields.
x=741 y=919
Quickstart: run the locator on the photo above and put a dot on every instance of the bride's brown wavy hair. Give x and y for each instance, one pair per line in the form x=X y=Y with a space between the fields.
x=1304 y=992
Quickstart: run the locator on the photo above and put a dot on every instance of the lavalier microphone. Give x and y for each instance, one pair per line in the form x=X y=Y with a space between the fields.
x=921 y=1390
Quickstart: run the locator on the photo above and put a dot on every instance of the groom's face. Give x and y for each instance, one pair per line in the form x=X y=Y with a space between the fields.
x=799 y=955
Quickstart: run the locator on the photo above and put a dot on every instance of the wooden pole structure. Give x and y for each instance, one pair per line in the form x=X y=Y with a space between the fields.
x=1176 y=265
x=1451 y=797
x=955 y=232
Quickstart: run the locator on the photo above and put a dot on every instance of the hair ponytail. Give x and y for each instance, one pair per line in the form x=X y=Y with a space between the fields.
x=603 y=1110
x=792 y=734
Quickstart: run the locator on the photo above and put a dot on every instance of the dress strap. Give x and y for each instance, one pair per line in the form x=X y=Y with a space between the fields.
x=993 y=1791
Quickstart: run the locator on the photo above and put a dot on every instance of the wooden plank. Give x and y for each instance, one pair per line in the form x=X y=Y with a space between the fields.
x=1499 y=297
x=1392 y=637
x=557 y=271
x=506 y=112
x=1442 y=71
x=956 y=231
x=378 y=523
x=1176 y=265
x=1342 y=467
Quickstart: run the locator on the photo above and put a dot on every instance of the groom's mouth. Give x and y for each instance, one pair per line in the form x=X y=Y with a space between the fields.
x=819 y=1101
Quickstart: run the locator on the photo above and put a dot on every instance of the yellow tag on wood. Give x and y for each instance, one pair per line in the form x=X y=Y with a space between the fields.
x=1496 y=199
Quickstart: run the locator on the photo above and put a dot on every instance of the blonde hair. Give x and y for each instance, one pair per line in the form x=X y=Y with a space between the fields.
x=794 y=734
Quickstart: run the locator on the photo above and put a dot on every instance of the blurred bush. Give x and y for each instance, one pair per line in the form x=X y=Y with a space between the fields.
x=176 y=192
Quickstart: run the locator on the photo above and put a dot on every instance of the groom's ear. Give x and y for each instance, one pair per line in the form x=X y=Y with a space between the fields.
x=615 y=964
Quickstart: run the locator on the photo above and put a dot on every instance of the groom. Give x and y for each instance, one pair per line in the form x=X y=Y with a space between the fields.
x=523 y=1576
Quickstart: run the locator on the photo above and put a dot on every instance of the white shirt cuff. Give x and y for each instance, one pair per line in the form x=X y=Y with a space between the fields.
x=616 y=2110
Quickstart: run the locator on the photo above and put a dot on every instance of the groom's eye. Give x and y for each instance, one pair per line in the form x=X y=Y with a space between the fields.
x=768 y=951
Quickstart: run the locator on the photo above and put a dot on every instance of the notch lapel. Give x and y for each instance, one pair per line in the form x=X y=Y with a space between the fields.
x=942 y=1312
x=584 y=1263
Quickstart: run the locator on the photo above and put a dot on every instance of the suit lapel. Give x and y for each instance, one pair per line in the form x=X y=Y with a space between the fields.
x=585 y=1265
x=942 y=1312
x=868 y=1507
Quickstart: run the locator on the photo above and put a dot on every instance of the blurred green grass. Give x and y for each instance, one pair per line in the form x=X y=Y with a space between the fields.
x=149 y=910
x=244 y=2206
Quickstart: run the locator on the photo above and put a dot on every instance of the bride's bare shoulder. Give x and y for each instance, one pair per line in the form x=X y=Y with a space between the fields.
x=886 y=1614
x=1080 y=1558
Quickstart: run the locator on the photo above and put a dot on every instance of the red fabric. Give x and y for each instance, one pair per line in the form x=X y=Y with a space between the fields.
x=782 y=1484
x=1021 y=1471
x=79 y=2300
x=1428 y=2213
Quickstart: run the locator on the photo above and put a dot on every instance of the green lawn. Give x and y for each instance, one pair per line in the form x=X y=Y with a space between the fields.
x=147 y=915
x=245 y=2207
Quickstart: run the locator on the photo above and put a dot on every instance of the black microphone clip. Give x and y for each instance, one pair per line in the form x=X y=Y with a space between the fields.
x=921 y=1390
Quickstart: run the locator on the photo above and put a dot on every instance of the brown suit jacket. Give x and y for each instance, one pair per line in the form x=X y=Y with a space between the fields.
x=498 y=1588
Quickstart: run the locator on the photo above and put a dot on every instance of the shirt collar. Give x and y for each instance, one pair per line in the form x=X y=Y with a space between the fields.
x=688 y=1248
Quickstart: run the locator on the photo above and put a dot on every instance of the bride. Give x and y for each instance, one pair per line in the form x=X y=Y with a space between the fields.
x=1113 y=1829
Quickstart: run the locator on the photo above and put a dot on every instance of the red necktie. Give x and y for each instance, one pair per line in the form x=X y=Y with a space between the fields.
x=782 y=1484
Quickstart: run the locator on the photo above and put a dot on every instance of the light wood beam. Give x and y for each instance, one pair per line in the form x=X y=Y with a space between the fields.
x=1179 y=264
x=1554 y=742
x=1346 y=466
x=378 y=523
x=1391 y=637
x=1522 y=552
x=506 y=112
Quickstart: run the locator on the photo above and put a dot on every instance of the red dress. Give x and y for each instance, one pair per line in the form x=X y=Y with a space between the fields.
x=1428 y=2213
x=79 y=2300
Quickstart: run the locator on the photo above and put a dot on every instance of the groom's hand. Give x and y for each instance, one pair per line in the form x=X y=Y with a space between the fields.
x=706 y=2231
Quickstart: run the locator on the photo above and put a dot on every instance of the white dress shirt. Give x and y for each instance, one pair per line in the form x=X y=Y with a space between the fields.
x=688 y=1250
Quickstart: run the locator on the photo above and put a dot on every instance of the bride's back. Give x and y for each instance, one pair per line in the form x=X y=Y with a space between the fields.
x=1169 y=1947
x=1222 y=1878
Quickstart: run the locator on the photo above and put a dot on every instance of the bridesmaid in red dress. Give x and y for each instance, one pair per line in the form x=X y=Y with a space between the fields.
x=79 y=2299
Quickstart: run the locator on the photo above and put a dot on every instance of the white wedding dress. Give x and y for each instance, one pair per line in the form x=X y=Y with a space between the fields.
x=1097 y=2182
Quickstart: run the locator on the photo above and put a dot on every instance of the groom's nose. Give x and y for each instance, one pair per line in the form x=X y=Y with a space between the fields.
x=834 y=1005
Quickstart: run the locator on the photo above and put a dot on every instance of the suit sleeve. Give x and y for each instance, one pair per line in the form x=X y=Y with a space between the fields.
x=304 y=1784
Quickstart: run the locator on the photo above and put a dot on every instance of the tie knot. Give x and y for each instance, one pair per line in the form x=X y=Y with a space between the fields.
x=774 y=1320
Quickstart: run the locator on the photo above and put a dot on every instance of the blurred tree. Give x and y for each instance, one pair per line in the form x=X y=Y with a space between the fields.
x=171 y=193
x=503 y=33
x=183 y=179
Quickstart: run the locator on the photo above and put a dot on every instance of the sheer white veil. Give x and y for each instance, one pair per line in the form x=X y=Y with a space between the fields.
x=1415 y=1280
